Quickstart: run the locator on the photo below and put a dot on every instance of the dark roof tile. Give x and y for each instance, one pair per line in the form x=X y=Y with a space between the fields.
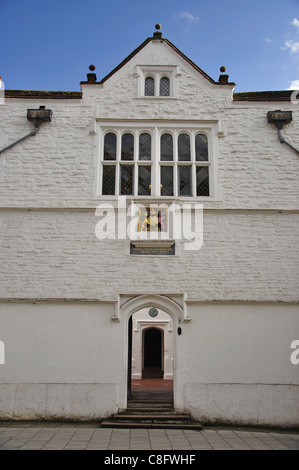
x=282 y=95
x=36 y=94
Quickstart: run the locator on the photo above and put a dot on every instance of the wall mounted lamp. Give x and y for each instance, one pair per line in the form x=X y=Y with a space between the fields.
x=279 y=119
x=37 y=116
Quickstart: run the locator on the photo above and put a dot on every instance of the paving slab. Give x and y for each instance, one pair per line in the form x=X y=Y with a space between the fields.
x=90 y=436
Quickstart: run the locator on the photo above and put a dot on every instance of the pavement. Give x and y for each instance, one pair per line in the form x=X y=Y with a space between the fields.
x=90 y=436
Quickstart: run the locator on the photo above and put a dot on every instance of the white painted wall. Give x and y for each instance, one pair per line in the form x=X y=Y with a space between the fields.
x=242 y=372
x=56 y=361
x=254 y=169
x=64 y=356
x=69 y=361
x=246 y=256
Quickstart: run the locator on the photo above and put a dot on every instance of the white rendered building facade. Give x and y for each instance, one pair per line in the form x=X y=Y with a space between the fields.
x=92 y=231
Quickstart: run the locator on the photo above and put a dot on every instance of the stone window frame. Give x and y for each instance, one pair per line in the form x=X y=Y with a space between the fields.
x=157 y=73
x=156 y=130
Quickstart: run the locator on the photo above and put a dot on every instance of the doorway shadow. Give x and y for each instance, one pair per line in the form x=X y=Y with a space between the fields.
x=152 y=358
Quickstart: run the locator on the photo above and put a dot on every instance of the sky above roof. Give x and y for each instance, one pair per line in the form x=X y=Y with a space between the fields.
x=49 y=44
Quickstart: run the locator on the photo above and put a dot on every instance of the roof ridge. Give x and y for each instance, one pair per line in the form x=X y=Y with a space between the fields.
x=170 y=44
x=127 y=59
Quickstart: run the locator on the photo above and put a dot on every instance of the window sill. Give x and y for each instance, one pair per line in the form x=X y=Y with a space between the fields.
x=152 y=242
x=158 y=97
x=158 y=199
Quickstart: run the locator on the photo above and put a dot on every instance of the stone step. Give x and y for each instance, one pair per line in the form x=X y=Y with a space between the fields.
x=153 y=403
x=135 y=425
x=146 y=409
x=148 y=417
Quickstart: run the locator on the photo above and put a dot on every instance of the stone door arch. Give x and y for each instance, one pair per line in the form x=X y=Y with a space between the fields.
x=178 y=312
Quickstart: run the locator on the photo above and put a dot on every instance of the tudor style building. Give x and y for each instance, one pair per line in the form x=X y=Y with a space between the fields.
x=155 y=189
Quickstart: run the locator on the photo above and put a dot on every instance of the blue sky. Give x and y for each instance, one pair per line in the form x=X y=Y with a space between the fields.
x=49 y=44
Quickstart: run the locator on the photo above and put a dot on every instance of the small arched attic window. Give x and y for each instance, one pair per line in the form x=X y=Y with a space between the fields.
x=149 y=86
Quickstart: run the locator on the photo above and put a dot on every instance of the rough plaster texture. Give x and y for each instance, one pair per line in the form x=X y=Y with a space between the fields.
x=68 y=360
x=56 y=168
x=245 y=256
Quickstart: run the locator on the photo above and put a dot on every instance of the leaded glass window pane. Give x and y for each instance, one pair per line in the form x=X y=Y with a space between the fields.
x=166 y=181
x=127 y=147
x=201 y=148
x=126 y=179
x=202 y=181
x=184 y=174
x=144 y=180
x=164 y=86
x=145 y=144
x=166 y=147
x=149 y=88
x=110 y=146
x=108 y=183
x=184 y=147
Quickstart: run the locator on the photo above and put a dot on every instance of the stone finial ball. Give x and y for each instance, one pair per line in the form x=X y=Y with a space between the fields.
x=92 y=68
x=222 y=68
x=158 y=26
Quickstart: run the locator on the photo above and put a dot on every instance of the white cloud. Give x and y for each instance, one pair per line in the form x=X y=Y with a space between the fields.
x=188 y=16
x=294 y=85
x=295 y=22
x=292 y=45
x=268 y=40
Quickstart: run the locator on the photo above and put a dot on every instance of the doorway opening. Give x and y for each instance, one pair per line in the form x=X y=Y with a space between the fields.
x=150 y=355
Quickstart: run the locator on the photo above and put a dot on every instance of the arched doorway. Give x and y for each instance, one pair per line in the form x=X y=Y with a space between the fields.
x=177 y=313
x=152 y=353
